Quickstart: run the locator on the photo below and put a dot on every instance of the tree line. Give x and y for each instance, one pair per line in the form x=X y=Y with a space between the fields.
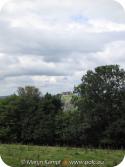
x=96 y=120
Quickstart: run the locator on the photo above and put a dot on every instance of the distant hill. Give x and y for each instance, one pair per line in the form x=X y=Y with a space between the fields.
x=3 y=97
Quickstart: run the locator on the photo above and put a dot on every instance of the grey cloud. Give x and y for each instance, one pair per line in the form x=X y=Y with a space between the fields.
x=51 y=40
x=53 y=46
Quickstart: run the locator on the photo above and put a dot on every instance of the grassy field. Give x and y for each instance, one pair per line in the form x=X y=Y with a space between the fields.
x=14 y=154
x=66 y=99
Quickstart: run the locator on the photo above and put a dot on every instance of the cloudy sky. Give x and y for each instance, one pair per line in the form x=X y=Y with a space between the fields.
x=52 y=43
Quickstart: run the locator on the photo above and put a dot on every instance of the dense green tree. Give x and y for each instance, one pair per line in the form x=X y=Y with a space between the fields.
x=28 y=104
x=44 y=130
x=68 y=128
x=29 y=117
x=100 y=99
x=9 y=119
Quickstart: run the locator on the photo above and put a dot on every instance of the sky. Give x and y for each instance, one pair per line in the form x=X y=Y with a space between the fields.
x=51 y=44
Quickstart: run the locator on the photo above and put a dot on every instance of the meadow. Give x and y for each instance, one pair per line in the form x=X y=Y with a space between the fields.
x=14 y=155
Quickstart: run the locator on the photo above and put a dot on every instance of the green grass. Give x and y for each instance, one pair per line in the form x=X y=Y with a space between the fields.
x=13 y=154
x=67 y=97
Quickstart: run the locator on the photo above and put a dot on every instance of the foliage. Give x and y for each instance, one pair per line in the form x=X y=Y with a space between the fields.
x=102 y=106
x=95 y=116
x=28 y=117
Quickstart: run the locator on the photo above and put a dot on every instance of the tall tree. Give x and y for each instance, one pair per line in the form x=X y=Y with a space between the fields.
x=101 y=102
